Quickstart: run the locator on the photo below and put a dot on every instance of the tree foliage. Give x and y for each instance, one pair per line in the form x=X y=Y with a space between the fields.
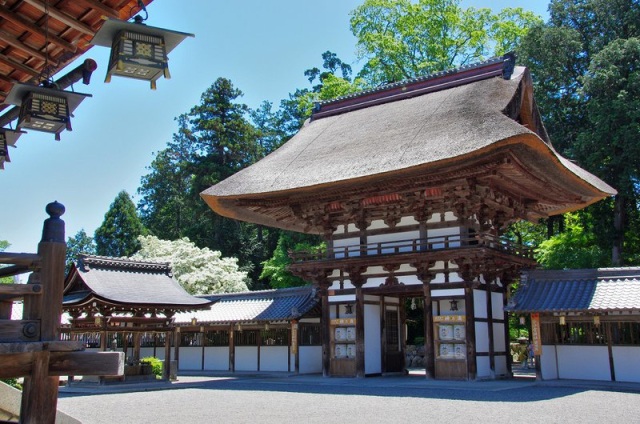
x=275 y=268
x=118 y=234
x=402 y=39
x=584 y=66
x=199 y=271
x=4 y=245
x=81 y=243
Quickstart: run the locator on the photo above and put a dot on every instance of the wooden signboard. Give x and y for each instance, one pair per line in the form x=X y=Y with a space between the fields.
x=535 y=334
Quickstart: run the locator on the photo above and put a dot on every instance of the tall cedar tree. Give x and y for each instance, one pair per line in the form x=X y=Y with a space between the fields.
x=575 y=98
x=118 y=234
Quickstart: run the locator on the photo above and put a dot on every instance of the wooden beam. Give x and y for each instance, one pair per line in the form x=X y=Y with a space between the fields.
x=19 y=66
x=53 y=346
x=14 y=42
x=11 y=270
x=99 y=7
x=20 y=290
x=19 y=330
x=62 y=17
x=64 y=363
x=26 y=25
x=25 y=259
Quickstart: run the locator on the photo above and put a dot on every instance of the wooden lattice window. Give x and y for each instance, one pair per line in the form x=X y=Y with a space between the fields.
x=217 y=338
x=246 y=338
x=275 y=337
x=191 y=339
x=310 y=335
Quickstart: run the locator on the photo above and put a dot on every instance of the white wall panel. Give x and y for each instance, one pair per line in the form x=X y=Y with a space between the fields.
x=583 y=362
x=216 y=358
x=310 y=359
x=190 y=358
x=480 y=303
x=626 y=360
x=246 y=358
x=274 y=358
x=372 y=348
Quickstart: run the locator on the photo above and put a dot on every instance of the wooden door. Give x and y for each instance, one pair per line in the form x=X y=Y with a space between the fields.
x=394 y=358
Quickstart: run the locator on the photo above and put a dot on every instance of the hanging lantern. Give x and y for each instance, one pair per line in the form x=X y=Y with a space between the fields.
x=137 y=50
x=7 y=138
x=563 y=320
x=44 y=108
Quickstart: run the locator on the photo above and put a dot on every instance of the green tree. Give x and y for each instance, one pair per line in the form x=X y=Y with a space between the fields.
x=402 y=39
x=584 y=109
x=199 y=271
x=275 y=269
x=573 y=248
x=118 y=234
x=76 y=245
x=4 y=245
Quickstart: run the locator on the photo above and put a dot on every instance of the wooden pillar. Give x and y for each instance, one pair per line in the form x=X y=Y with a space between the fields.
x=295 y=345
x=232 y=348
x=5 y=310
x=176 y=344
x=259 y=342
x=360 y=370
x=429 y=346
x=470 y=326
x=325 y=330
x=166 y=371
x=383 y=334
x=492 y=350
x=40 y=391
x=507 y=347
x=612 y=368
x=402 y=332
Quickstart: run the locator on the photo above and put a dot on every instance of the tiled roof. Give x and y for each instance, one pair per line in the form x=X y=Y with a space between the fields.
x=126 y=282
x=268 y=305
x=587 y=290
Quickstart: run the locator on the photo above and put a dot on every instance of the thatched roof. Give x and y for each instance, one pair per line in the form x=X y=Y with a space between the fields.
x=452 y=123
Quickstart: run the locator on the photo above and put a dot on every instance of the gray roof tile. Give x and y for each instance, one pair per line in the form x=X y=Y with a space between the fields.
x=596 y=290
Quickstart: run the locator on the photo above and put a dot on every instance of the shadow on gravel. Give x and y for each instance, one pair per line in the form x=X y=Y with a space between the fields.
x=516 y=390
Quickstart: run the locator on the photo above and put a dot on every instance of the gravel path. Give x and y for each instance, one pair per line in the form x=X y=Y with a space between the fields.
x=371 y=400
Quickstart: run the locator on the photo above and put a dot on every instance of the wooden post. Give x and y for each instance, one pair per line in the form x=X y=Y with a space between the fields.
x=612 y=368
x=360 y=370
x=295 y=332
x=383 y=334
x=492 y=353
x=470 y=326
x=40 y=391
x=429 y=349
x=325 y=330
x=166 y=370
x=232 y=349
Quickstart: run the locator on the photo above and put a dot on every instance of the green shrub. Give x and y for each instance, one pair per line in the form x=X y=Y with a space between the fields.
x=156 y=364
x=13 y=382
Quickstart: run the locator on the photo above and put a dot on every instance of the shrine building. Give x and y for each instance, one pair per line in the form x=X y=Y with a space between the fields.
x=411 y=185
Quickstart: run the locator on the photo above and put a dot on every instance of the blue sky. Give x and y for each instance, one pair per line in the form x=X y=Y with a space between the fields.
x=263 y=47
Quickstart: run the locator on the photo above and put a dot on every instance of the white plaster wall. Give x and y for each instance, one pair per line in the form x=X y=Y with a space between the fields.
x=447 y=293
x=439 y=234
x=480 y=303
x=341 y=298
x=372 y=348
x=583 y=362
x=190 y=358
x=274 y=358
x=310 y=359
x=216 y=358
x=497 y=306
x=498 y=337
x=482 y=337
x=483 y=367
x=548 y=367
x=354 y=250
x=246 y=358
x=376 y=225
x=626 y=362
x=393 y=239
x=501 y=365
x=148 y=351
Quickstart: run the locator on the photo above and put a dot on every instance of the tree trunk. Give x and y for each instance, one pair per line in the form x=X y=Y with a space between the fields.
x=618 y=230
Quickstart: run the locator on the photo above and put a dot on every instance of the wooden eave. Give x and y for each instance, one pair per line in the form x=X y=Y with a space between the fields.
x=501 y=167
x=40 y=38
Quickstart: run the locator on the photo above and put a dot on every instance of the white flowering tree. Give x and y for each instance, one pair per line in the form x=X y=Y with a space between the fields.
x=199 y=271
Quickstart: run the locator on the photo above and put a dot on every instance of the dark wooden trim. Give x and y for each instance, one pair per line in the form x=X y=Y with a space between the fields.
x=325 y=334
x=506 y=334
x=383 y=335
x=470 y=327
x=489 y=302
x=612 y=368
x=360 y=367
x=429 y=352
x=232 y=349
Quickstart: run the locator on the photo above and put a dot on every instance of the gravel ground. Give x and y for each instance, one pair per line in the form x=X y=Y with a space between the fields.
x=370 y=400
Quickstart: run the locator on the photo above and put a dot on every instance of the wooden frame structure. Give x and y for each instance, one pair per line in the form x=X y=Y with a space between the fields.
x=31 y=347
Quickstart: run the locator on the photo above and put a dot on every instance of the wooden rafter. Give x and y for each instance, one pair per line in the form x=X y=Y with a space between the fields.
x=16 y=43
x=26 y=25
x=104 y=10
x=62 y=17
x=24 y=68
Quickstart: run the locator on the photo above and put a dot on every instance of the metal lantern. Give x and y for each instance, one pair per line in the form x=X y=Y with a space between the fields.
x=137 y=50
x=7 y=138
x=43 y=108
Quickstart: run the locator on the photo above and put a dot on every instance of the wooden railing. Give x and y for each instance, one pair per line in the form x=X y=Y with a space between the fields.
x=31 y=347
x=414 y=246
